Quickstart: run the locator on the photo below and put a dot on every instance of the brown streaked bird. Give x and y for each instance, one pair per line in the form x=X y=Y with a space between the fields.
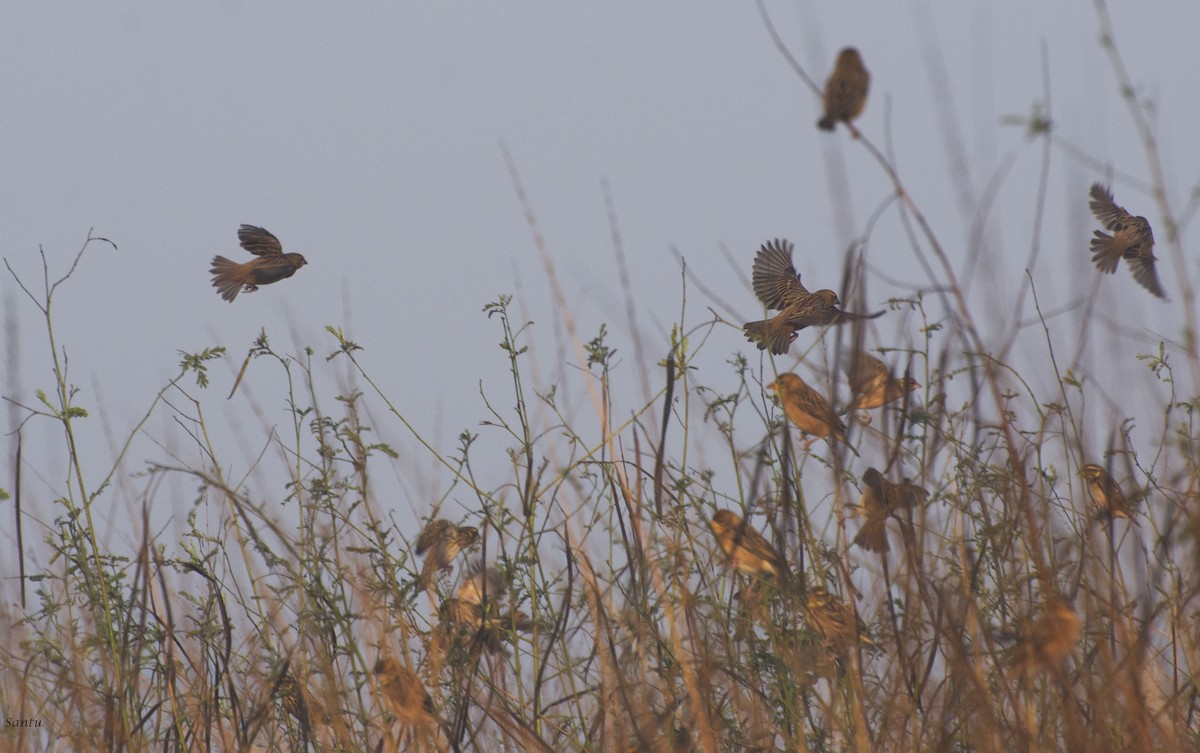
x=778 y=286
x=881 y=498
x=480 y=584
x=873 y=384
x=1046 y=642
x=1106 y=493
x=845 y=90
x=475 y=614
x=297 y=701
x=832 y=620
x=443 y=541
x=808 y=410
x=472 y=626
x=746 y=548
x=403 y=693
x=1131 y=240
x=272 y=264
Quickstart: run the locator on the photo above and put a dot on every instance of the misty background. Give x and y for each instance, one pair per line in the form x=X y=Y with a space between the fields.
x=371 y=138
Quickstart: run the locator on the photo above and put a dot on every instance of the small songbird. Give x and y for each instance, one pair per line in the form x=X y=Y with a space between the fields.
x=1106 y=493
x=746 y=548
x=778 y=286
x=845 y=90
x=807 y=409
x=1131 y=240
x=1047 y=641
x=272 y=264
x=873 y=384
x=881 y=498
x=443 y=541
x=297 y=701
x=403 y=694
x=833 y=621
x=474 y=619
x=481 y=584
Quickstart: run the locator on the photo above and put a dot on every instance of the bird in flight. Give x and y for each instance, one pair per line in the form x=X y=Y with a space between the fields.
x=881 y=498
x=778 y=286
x=270 y=265
x=1131 y=240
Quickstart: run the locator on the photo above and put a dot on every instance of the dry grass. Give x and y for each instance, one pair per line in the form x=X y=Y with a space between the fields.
x=264 y=627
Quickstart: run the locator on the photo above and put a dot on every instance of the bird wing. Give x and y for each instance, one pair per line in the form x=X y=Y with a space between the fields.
x=756 y=544
x=259 y=242
x=873 y=482
x=432 y=534
x=1143 y=271
x=864 y=370
x=912 y=495
x=1106 y=210
x=774 y=277
x=814 y=404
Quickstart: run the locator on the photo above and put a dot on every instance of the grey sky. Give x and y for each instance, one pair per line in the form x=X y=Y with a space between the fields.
x=366 y=136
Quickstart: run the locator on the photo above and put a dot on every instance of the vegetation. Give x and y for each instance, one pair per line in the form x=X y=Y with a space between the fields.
x=298 y=621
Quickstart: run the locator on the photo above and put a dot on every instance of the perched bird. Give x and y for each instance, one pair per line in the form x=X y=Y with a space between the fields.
x=873 y=384
x=881 y=498
x=747 y=549
x=807 y=409
x=845 y=90
x=296 y=700
x=443 y=541
x=1106 y=493
x=778 y=286
x=1048 y=640
x=403 y=694
x=833 y=621
x=474 y=619
x=272 y=264
x=481 y=584
x=1131 y=240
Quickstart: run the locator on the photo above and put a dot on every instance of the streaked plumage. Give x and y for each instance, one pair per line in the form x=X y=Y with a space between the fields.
x=441 y=541
x=298 y=702
x=480 y=584
x=747 y=549
x=403 y=694
x=1048 y=640
x=881 y=498
x=832 y=620
x=272 y=264
x=873 y=384
x=1106 y=493
x=475 y=620
x=845 y=90
x=778 y=286
x=1131 y=240
x=808 y=409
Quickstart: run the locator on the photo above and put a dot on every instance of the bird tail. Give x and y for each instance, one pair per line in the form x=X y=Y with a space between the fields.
x=769 y=336
x=227 y=277
x=826 y=123
x=873 y=535
x=1106 y=252
x=839 y=433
